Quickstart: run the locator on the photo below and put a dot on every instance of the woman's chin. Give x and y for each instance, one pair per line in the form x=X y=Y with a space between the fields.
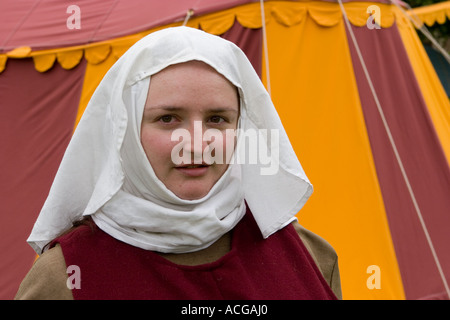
x=192 y=194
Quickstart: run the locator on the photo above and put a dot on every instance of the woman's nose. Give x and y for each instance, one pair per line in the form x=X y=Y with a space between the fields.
x=196 y=144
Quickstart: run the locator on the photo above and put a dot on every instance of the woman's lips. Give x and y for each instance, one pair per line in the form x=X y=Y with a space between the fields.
x=195 y=170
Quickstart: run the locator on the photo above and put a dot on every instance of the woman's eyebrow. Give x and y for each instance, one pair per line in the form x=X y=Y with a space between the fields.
x=222 y=110
x=212 y=110
x=167 y=108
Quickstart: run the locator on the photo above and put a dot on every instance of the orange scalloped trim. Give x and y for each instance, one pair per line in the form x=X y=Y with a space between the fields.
x=69 y=59
x=44 y=62
x=286 y=13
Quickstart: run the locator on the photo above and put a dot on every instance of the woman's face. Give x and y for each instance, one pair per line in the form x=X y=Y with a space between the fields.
x=188 y=98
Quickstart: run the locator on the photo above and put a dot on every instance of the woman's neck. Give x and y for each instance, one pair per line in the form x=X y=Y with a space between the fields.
x=210 y=254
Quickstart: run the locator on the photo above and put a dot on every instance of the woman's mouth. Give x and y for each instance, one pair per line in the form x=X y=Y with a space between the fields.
x=193 y=170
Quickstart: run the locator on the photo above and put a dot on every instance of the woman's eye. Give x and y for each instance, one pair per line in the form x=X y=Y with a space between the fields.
x=216 y=119
x=166 y=118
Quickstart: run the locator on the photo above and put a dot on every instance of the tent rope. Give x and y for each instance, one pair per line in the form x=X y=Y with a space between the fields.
x=265 y=46
x=394 y=148
x=421 y=26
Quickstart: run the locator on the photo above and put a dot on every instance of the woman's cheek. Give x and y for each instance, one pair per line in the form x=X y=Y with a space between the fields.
x=156 y=144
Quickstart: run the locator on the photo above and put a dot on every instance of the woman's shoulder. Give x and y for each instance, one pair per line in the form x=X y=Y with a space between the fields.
x=47 y=278
x=323 y=254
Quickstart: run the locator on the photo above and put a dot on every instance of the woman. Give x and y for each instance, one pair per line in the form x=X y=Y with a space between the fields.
x=161 y=168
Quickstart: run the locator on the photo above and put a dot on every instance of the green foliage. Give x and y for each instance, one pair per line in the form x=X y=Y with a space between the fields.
x=441 y=32
x=421 y=3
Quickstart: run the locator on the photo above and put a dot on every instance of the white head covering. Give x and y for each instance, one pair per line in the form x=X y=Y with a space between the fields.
x=105 y=172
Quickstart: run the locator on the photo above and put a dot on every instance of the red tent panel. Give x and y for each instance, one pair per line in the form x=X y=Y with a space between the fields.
x=35 y=129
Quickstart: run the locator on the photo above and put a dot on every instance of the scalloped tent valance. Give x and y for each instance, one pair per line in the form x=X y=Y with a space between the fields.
x=285 y=13
x=431 y=14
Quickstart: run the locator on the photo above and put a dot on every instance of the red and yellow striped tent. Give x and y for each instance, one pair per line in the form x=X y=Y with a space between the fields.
x=362 y=104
